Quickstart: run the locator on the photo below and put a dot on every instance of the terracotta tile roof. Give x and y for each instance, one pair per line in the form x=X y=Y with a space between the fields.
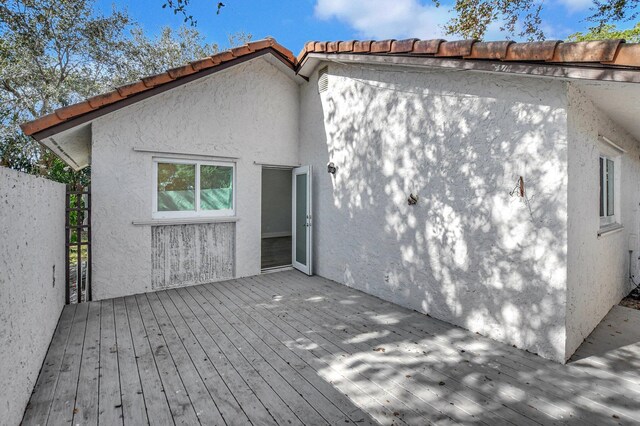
x=603 y=53
x=121 y=93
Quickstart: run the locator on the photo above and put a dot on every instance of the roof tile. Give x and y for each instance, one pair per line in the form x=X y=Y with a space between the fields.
x=241 y=51
x=309 y=46
x=223 y=56
x=628 y=55
x=284 y=52
x=332 y=46
x=39 y=124
x=586 y=51
x=362 y=46
x=383 y=46
x=260 y=44
x=427 y=47
x=604 y=53
x=346 y=46
x=182 y=71
x=321 y=46
x=71 y=111
x=156 y=80
x=403 y=46
x=455 y=48
x=131 y=89
x=204 y=63
x=489 y=50
x=533 y=51
x=104 y=99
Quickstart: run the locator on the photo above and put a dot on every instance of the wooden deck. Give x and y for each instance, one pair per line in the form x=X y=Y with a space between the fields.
x=289 y=349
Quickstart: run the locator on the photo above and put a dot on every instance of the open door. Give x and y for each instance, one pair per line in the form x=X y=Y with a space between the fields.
x=301 y=218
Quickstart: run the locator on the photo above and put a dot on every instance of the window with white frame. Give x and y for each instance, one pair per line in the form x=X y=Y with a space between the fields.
x=607 y=191
x=609 y=165
x=185 y=188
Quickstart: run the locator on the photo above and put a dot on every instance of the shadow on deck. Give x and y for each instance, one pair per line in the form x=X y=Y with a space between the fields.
x=290 y=349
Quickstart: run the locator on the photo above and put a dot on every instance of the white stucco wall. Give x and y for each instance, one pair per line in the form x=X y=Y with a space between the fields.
x=248 y=111
x=468 y=253
x=598 y=267
x=32 y=282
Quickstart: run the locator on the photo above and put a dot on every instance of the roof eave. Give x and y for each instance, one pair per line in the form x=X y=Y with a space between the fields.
x=106 y=109
x=581 y=71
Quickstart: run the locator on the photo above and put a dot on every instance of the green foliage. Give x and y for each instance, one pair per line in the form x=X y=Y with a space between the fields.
x=521 y=18
x=54 y=53
x=631 y=35
x=180 y=7
x=145 y=55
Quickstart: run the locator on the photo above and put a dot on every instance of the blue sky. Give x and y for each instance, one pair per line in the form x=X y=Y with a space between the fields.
x=293 y=22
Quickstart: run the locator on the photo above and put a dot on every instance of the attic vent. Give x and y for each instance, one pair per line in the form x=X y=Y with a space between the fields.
x=323 y=79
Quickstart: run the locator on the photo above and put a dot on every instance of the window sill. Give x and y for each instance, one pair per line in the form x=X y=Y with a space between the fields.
x=185 y=221
x=610 y=229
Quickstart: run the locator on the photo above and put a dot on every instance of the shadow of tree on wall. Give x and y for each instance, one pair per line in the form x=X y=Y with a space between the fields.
x=400 y=365
x=470 y=252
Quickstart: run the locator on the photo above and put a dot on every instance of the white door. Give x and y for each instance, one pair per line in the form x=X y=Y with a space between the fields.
x=302 y=222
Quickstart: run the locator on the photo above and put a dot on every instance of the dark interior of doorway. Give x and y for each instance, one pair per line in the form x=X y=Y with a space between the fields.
x=276 y=218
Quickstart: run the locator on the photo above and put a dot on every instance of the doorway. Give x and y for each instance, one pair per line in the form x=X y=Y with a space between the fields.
x=276 y=244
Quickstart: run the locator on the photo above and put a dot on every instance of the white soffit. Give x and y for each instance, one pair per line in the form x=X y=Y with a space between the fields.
x=619 y=101
x=73 y=146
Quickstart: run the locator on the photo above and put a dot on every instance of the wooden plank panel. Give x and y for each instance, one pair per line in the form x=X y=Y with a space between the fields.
x=65 y=393
x=179 y=402
x=329 y=402
x=281 y=347
x=109 y=403
x=378 y=400
x=225 y=401
x=269 y=398
x=191 y=254
x=453 y=372
x=237 y=383
x=437 y=387
x=202 y=401
x=155 y=398
x=279 y=334
x=86 y=410
x=546 y=392
x=309 y=405
x=133 y=407
x=39 y=405
x=568 y=380
x=406 y=406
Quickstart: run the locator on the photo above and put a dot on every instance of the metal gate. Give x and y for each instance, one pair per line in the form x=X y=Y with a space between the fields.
x=78 y=244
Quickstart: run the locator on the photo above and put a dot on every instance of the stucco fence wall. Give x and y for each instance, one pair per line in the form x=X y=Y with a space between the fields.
x=32 y=282
x=249 y=111
x=470 y=252
x=599 y=266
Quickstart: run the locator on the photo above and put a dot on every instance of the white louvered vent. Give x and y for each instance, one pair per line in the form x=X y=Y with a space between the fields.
x=323 y=79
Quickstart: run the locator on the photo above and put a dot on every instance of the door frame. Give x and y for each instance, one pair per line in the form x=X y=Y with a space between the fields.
x=308 y=268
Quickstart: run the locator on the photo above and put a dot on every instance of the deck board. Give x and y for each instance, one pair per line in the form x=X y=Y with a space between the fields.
x=242 y=362
x=86 y=405
x=289 y=349
x=155 y=398
x=63 y=403
x=180 y=403
x=453 y=388
x=134 y=410
x=39 y=405
x=109 y=398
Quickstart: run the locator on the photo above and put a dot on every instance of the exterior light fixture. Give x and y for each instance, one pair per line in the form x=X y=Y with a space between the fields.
x=331 y=168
